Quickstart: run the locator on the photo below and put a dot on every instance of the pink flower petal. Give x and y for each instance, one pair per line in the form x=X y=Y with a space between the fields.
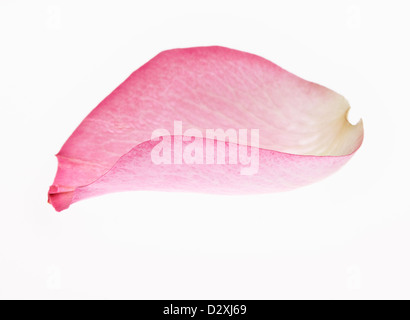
x=304 y=134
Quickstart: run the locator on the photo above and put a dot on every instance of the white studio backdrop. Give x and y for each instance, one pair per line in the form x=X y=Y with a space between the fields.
x=344 y=237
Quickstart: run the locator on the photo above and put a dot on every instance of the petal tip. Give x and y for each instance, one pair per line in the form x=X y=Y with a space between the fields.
x=60 y=200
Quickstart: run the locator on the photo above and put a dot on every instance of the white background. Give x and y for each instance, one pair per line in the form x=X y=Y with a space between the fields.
x=345 y=237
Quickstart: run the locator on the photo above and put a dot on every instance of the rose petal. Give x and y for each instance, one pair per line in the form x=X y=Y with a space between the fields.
x=304 y=132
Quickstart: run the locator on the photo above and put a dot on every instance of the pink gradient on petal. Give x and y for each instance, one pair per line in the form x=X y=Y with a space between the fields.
x=304 y=134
